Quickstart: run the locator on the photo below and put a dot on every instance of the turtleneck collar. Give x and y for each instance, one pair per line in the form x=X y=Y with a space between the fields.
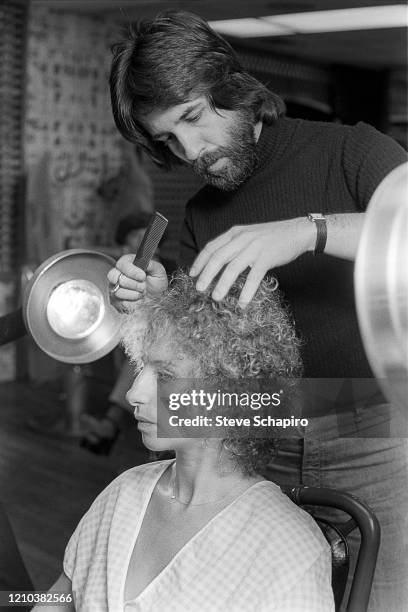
x=273 y=141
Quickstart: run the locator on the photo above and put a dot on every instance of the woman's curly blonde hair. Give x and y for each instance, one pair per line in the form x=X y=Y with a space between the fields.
x=222 y=339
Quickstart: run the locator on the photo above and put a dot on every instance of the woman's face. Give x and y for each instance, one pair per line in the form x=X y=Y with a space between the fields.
x=160 y=365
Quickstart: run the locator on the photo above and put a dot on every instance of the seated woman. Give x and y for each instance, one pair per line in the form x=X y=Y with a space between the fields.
x=203 y=532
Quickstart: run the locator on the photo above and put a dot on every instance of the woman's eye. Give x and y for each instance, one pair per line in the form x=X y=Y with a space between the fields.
x=139 y=370
x=164 y=376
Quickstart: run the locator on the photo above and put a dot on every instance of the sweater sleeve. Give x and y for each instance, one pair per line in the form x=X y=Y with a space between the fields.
x=368 y=156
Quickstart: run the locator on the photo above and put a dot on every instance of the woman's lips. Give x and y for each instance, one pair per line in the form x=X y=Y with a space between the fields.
x=144 y=423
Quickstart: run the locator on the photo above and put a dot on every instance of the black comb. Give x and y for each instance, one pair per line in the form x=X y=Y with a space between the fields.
x=151 y=239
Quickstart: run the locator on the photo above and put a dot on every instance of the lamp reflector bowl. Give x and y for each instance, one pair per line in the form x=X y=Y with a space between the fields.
x=381 y=285
x=68 y=309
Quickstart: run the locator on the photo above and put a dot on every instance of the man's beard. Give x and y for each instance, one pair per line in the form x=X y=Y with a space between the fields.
x=240 y=153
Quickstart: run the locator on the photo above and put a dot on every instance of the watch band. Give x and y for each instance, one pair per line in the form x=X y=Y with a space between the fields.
x=321 y=231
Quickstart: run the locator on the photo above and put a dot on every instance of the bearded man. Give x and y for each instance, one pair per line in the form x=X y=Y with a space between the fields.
x=286 y=195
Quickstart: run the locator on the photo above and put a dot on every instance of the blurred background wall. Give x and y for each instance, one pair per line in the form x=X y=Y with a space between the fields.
x=70 y=141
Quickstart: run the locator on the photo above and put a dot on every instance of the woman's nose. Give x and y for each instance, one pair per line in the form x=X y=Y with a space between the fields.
x=143 y=388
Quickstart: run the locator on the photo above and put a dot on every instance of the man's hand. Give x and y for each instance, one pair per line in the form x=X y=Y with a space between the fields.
x=134 y=283
x=261 y=247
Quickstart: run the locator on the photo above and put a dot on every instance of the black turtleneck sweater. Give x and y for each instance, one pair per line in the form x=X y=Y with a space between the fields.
x=303 y=167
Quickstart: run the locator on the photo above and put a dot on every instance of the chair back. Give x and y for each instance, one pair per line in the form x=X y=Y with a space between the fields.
x=361 y=518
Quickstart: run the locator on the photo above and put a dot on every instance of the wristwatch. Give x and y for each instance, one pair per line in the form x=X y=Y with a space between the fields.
x=321 y=237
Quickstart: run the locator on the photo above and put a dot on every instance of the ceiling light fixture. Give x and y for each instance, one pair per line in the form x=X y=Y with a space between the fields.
x=364 y=18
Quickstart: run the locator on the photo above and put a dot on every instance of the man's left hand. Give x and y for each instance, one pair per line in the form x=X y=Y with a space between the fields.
x=261 y=247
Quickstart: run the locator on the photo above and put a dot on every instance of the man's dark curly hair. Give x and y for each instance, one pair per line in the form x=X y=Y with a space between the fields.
x=222 y=340
x=170 y=60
